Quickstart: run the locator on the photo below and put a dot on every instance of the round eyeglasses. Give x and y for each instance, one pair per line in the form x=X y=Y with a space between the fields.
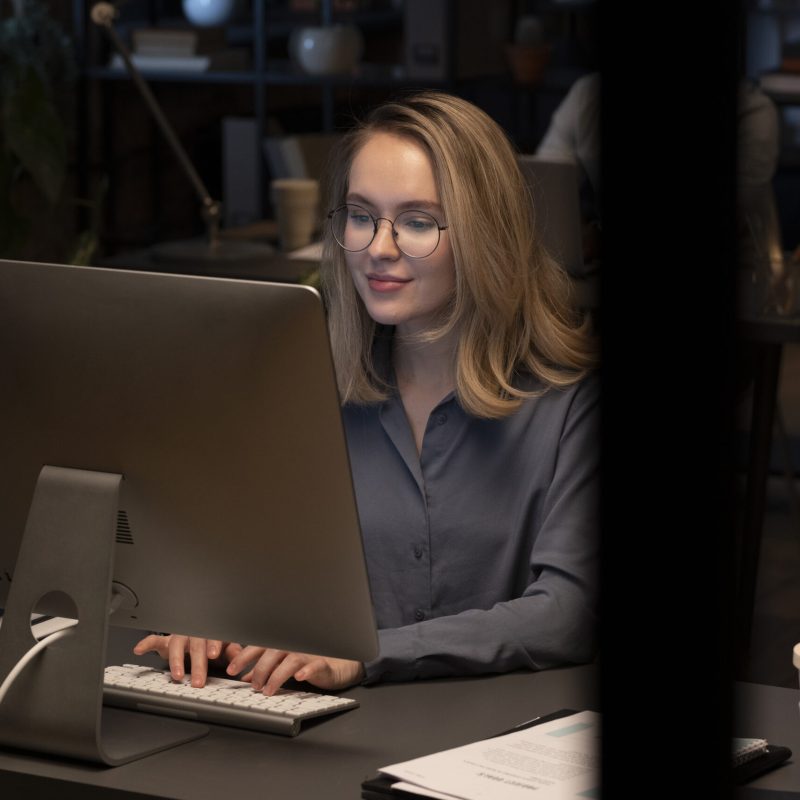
x=416 y=233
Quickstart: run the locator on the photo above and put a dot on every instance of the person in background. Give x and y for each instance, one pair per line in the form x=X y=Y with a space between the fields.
x=574 y=134
x=758 y=136
x=470 y=406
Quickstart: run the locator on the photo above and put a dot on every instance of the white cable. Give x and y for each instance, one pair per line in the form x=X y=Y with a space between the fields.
x=23 y=662
x=51 y=636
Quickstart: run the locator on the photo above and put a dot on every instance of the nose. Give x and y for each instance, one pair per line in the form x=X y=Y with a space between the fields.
x=384 y=244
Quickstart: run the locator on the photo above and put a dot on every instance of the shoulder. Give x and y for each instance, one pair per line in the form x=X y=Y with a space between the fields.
x=552 y=411
x=587 y=86
x=585 y=391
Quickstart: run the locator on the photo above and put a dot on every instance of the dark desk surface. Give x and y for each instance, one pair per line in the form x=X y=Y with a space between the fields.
x=329 y=759
x=772 y=713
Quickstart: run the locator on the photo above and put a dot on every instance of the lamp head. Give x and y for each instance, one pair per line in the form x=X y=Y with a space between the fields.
x=103 y=14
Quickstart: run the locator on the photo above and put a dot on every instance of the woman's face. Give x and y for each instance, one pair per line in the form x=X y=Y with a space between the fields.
x=391 y=174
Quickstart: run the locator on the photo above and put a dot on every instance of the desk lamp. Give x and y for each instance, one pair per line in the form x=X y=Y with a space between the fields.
x=213 y=248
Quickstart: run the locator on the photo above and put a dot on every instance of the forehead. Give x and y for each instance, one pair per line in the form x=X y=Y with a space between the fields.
x=390 y=168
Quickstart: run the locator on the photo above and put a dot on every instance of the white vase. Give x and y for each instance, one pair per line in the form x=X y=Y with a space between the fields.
x=205 y=13
x=329 y=50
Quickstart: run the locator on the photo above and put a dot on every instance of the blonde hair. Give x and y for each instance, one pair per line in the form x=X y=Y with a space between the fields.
x=512 y=308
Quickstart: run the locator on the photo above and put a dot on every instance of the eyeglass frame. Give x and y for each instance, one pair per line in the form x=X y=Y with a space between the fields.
x=395 y=234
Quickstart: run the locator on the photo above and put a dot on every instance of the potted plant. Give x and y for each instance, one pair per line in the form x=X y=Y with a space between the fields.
x=38 y=73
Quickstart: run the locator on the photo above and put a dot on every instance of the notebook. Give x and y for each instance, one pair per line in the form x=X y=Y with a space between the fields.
x=555 y=190
x=752 y=757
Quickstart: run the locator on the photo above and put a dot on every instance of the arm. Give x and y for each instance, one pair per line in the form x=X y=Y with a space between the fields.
x=553 y=620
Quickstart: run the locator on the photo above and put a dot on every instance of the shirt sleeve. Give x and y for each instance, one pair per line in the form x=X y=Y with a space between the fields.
x=554 y=620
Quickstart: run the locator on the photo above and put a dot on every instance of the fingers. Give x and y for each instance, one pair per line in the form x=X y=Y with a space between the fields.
x=230 y=650
x=264 y=668
x=176 y=652
x=283 y=670
x=154 y=643
x=331 y=673
x=198 y=658
x=173 y=649
x=275 y=667
x=241 y=658
x=213 y=648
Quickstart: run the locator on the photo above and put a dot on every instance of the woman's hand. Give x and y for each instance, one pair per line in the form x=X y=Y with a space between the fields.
x=270 y=669
x=173 y=650
x=267 y=669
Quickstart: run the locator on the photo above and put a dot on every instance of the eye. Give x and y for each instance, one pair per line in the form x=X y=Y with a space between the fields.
x=358 y=217
x=418 y=223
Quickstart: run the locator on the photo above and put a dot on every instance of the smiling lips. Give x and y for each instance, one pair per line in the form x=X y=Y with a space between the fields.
x=386 y=283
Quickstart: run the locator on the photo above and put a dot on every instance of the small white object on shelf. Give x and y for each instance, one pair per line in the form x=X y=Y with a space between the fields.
x=208 y=12
x=327 y=50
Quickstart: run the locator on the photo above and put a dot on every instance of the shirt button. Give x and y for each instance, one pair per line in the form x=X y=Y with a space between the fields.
x=441 y=419
x=419 y=615
x=417 y=552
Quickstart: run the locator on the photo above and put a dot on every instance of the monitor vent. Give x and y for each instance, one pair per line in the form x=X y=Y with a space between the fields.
x=124 y=535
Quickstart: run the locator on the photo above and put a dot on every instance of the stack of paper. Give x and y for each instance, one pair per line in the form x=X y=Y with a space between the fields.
x=557 y=759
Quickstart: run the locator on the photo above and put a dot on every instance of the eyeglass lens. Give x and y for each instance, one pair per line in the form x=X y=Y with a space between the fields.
x=416 y=233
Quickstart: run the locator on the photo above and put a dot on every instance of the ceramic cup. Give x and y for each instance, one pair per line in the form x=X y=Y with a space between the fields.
x=295 y=201
x=330 y=50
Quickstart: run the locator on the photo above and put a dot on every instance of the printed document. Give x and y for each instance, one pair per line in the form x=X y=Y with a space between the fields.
x=557 y=759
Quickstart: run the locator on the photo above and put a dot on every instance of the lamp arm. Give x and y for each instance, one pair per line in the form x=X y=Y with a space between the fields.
x=103 y=15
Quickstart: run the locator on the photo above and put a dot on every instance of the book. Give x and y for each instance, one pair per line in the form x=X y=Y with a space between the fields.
x=753 y=757
x=230 y=59
x=178 y=41
x=745 y=749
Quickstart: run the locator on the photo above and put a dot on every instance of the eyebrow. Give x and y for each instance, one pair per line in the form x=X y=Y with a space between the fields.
x=406 y=205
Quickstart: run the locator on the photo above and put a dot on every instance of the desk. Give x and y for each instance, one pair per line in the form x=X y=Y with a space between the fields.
x=768 y=334
x=329 y=759
x=770 y=712
x=278 y=267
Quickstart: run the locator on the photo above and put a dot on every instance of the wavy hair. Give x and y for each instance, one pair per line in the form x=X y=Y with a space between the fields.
x=512 y=309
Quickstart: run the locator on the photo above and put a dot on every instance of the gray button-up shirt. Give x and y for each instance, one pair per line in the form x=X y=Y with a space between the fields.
x=482 y=550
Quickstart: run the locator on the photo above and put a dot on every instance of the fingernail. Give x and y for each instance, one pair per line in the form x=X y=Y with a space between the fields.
x=301 y=675
x=212 y=652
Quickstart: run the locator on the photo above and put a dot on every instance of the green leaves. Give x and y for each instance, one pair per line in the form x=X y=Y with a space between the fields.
x=34 y=134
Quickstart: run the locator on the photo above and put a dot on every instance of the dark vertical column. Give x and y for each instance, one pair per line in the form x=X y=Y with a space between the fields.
x=668 y=349
x=259 y=100
x=82 y=118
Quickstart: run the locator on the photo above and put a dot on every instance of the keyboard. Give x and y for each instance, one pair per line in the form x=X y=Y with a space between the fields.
x=221 y=701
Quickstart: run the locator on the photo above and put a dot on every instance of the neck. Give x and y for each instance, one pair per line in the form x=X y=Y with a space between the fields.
x=425 y=365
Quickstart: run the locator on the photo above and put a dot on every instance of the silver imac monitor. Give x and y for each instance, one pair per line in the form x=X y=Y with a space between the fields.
x=555 y=190
x=172 y=445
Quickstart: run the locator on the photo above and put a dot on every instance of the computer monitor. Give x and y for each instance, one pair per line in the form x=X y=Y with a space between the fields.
x=235 y=518
x=555 y=190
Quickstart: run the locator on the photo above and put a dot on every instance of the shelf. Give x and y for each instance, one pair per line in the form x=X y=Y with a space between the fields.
x=281 y=25
x=278 y=73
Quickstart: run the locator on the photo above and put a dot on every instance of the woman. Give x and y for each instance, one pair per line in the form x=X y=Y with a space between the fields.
x=470 y=414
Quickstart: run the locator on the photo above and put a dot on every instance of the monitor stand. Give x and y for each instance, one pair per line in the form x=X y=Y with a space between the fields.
x=55 y=705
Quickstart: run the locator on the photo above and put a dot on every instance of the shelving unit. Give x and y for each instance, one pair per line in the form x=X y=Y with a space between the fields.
x=272 y=75
x=265 y=37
